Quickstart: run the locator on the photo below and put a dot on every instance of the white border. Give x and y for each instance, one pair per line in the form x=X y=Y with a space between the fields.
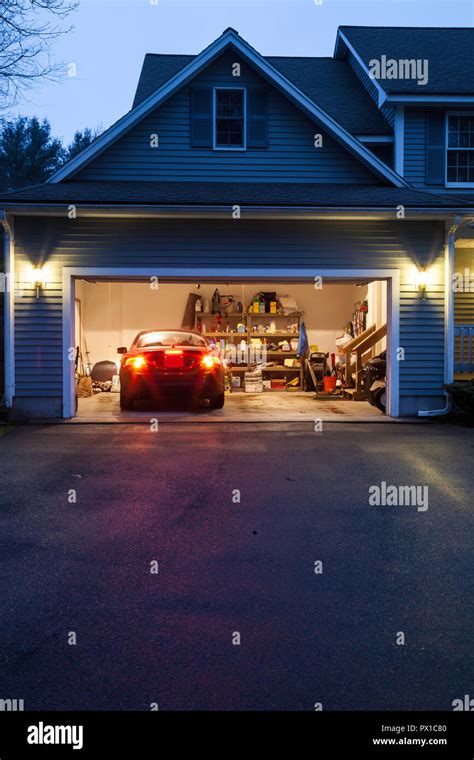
x=211 y=274
x=215 y=90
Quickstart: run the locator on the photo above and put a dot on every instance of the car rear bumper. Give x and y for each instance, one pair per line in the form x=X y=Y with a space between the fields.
x=155 y=384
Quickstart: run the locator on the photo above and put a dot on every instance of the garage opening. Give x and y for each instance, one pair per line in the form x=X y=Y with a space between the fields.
x=289 y=350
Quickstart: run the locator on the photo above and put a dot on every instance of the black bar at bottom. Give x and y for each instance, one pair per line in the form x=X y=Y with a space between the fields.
x=118 y=734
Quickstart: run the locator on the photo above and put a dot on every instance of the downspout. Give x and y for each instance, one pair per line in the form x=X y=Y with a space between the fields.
x=449 y=312
x=9 y=295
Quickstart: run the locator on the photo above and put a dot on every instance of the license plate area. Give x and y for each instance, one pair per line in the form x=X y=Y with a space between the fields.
x=174 y=361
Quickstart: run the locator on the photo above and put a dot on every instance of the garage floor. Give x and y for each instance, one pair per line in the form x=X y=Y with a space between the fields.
x=239 y=407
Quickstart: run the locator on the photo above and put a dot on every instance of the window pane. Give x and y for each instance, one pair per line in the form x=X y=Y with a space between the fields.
x=453 y=139
x=229 y=118
x=452 y=176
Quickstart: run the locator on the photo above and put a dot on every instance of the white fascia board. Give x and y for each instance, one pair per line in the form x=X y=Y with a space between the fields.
x=381 y=92
x=375 y=139
x=434 y=99
x=93 y=211
x=264 y=68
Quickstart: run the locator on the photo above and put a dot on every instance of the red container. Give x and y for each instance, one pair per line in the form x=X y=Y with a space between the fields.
x=329 y=383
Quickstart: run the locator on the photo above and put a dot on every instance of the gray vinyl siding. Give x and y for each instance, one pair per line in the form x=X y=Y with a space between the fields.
x=290 y=155
x=415 y=146
x=415 y=153
x=217 y=243
x=385 y=152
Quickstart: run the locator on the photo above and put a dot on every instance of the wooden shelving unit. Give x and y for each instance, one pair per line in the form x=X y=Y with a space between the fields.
x=251 y=320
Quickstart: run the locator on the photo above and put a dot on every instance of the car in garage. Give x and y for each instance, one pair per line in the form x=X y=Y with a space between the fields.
x=170 y=363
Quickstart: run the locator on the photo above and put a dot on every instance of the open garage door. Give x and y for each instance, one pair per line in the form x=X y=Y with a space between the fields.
x=282 y=343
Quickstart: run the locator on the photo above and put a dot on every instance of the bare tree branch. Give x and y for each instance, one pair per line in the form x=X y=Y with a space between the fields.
x=27 y=30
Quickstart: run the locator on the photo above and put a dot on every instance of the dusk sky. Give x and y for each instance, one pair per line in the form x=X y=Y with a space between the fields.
x=111 y=37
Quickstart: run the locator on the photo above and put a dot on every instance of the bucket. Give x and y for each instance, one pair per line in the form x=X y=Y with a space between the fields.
x=329 y=383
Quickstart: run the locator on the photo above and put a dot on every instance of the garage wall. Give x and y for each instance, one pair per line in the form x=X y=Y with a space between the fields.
x=399 y=244
x=113 y=313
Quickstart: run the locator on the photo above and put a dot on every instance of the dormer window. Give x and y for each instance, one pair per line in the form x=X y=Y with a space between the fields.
x=229 y=118
x=460 y=150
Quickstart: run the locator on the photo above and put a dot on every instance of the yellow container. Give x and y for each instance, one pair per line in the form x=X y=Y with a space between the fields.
x=273 y=307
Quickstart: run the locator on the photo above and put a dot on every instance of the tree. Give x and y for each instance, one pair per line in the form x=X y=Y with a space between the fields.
x=27 y=29
x=80 y=141
x=28 y=153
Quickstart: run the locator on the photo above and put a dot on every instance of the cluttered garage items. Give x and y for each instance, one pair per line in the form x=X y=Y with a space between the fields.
x=258 y=341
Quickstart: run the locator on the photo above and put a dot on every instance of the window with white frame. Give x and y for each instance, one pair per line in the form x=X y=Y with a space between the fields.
x=460 y=149
x=229 y=118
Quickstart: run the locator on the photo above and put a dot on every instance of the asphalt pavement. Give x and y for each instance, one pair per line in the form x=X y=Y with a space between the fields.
x=239 y=567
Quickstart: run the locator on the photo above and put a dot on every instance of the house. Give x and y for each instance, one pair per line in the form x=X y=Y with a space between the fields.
x=334 y=181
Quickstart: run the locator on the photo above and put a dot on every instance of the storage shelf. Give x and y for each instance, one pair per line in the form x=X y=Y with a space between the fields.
x=268 y=314
x=241 y=314
x=249 y=319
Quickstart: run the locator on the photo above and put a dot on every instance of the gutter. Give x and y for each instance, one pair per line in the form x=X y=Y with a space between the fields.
x=225 y=212
x=9 y=295
x=449 y=317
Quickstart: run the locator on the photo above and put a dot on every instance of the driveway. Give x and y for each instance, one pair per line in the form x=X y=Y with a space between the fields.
x=86 y=625
x=239 y=407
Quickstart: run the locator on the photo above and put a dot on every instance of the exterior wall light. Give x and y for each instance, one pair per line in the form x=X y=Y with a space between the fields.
x=37 y=278
x=422 y=280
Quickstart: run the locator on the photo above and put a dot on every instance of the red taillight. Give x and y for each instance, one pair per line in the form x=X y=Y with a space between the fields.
x=137 y=362
x=209 y=361
x=173 y=352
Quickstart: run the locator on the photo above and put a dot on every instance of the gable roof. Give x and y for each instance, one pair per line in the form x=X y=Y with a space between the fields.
x=227 y=194
x=231 y=39
x=331 y=84
x=448 y=50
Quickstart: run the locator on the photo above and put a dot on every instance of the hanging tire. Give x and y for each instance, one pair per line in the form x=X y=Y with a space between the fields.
x=380 y=399
x=217 y=402
x=126 y=402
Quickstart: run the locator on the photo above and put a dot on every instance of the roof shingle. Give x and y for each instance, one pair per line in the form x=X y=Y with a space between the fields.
x=229 y=193
x=331 y=84
x=449 y=52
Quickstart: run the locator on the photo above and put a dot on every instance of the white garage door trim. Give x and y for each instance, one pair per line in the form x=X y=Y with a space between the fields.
x=392 y=276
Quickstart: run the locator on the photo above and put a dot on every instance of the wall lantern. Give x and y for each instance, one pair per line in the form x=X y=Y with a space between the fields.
x=423 y=279
x=37 y=278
